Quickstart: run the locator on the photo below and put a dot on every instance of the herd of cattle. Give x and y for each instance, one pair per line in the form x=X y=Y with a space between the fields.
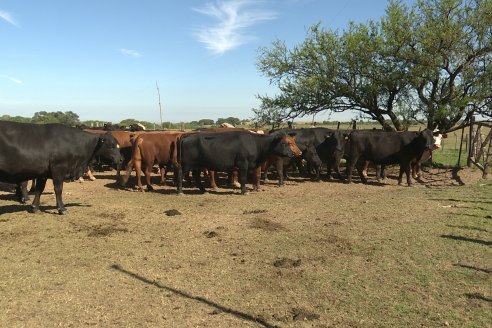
x=52 y=151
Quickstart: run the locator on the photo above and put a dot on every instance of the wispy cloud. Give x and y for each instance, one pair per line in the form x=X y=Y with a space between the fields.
x=129 y=52
x=234 y=17
x=6 y=16
x=13 y=79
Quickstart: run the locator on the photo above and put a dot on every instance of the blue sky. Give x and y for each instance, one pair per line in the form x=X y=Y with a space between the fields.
x=102 y=58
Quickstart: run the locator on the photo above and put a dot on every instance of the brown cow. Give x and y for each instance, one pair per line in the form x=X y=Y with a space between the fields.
x=148 y=149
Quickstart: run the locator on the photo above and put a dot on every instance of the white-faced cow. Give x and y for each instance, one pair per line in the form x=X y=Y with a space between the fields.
x=385 y=148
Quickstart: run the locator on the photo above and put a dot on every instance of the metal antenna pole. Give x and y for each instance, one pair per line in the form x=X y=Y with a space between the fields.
x=160 y=108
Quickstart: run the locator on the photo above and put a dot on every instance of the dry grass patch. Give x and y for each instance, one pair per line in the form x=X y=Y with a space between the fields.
x=304 y=255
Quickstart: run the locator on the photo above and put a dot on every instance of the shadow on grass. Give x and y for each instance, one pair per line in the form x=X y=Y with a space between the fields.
x=478 y=296
x=49 y=209
x=471 y=240
x=463 y=200
x=456 y=177
x=238 y=314
x=473 y=268
x=466 y=227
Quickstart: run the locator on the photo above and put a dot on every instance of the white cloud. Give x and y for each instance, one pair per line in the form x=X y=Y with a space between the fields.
x=130 y=52
x=234 y=17
x=13 y=79
x=6 y=16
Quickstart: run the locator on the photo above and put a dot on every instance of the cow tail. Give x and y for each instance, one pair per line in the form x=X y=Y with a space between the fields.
x=129 y=167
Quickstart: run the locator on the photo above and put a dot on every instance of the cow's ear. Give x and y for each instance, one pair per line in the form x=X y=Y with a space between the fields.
x=329 y=134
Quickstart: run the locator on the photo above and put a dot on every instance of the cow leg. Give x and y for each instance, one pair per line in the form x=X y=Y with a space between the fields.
x=348 y=171
x=408 y=174
x=243 y=177
x=279 y=165
x=329 y=166
x=124 y=178
x=337 y=171
x=233 y=179
x=361 y=174
x=383 y=172
x=38 y=189
x=21 y=192
x=138 y=173
x=212 y=177
x=198 y=181
x=264 y=170
x=416 y=170
x=378 y=173
x=317 y=170
x=162 y=180
x=256 y=178
x=400 y=176
x=58 y=184
x=179 y=179
x=90 y=175
x=148 y=172
x=33 y=185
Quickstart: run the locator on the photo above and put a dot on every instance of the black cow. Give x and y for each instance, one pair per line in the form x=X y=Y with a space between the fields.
x=49 y=151
x=386 y=148
x=329 y=145
x=224 y=151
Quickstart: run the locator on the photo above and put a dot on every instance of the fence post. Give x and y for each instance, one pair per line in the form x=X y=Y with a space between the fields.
x=470 y=142
x=461 y=146
x=488 y=160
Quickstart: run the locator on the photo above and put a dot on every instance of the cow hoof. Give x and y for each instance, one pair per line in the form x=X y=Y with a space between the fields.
x=35 y=210
x=92 y=178
x=245 y=193
x=62 y=212
x=180 y=193
x=150 y=188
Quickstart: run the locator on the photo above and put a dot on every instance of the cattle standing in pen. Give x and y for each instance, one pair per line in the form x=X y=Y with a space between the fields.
x=49 y=151
x=224 y=151
x=386 y=148
x=149 y=149
x=327 y=143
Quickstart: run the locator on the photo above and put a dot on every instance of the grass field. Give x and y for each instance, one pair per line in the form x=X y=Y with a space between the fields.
x=307 y=254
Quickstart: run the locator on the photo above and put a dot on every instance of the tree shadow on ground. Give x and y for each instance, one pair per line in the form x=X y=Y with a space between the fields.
x=489 y=271
x=471 y=240
x=238 y=314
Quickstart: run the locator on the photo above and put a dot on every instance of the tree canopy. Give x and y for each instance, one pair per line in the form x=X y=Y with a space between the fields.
x=68 y=118
x=428 y=63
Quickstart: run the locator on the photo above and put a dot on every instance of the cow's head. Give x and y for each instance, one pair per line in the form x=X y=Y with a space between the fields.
x=108 y=148
x=285 y=145
x=337 y=140
x=433 y=138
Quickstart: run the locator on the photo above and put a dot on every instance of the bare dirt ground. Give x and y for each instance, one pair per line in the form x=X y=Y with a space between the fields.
x=307 y=254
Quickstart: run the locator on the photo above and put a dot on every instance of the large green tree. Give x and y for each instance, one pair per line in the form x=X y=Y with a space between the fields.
x=429 y=62
x=68 y=118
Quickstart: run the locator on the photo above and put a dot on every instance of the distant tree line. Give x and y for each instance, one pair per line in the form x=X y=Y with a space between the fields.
x=72 y=119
